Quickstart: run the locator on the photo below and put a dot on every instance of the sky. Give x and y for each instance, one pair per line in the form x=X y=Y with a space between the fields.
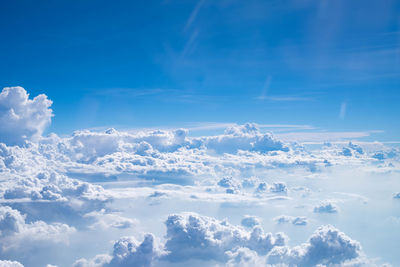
x=199 y=133
x=333 y=65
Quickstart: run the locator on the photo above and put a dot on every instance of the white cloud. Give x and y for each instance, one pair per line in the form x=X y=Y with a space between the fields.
x=326 y=207
x=232 y=186
x=16 y=233
x=291 y=219
x=327 y=246
x=22 y=118
x=127 y=251
x=193 y=237
x=49 y=187
x=54 y=181
x=4 y=263
x=243 y=137
x=190 y=236
x=97 y=261
x=277 y=188
x=243 y=257
x=105 y=220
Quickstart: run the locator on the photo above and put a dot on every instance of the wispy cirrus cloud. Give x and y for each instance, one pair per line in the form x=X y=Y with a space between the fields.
x=265 y=95
x=194 y=14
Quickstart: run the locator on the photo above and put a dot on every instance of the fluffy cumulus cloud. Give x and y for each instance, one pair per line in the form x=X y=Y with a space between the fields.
x=15 y=231
x=243 y=137
x=326 y=207
x=47 y=175
x=10 y=264
x=53 y=196
x=104 y=220
x=97 y=261
x=277 y=188
x=54 y=187
x=127 y=252
x=51 y=187
x=327 y=246
x=173 y=156
x=22 y=118
x=243 y=257
x=191 y=236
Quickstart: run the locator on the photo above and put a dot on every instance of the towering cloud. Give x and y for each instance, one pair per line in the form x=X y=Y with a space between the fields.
x=22 y=118
x=192 y=236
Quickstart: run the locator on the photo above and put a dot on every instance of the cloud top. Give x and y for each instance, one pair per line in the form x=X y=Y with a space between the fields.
x=22 y=118
x=326 y=246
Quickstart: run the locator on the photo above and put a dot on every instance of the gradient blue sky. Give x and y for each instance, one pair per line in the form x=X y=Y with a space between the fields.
x=334 y=65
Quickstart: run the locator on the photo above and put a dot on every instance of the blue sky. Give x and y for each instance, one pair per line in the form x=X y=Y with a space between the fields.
x=333 y=65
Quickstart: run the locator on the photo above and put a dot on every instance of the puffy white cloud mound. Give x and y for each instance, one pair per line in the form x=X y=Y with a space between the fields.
x=231 y=185
x=243 y=257
x=243 y=137
x=299 y=221
x=14 y=231
x=50 y=187
x=326 y=246
x=54 y=197
x=326 y=207
x=22 y=118
x=127 y=252
x=87 y=146
x=48 y=181
x=276 y=188
x=97 y=261
x=147 y=148
x=194 y=238
x=106 y=220
x=191 y=236
x=10 y=264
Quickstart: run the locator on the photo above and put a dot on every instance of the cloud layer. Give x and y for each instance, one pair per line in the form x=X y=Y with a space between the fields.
x=62 y=193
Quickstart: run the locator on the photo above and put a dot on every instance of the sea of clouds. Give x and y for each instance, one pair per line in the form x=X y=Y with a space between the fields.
x=165 y=198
